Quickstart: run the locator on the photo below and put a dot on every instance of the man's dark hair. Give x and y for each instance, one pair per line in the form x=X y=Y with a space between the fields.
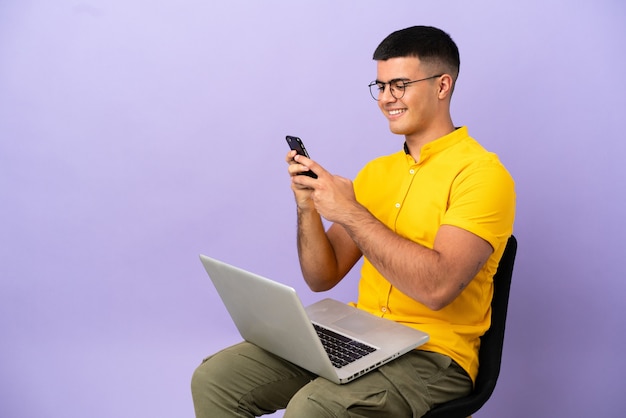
x=431 y=45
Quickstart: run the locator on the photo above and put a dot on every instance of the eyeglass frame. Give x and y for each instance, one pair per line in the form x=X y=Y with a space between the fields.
x=404 y=84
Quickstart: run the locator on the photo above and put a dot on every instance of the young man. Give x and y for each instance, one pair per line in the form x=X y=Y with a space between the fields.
x=431 y=222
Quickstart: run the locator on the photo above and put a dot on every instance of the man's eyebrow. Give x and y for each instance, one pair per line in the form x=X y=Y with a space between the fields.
x=392 y=80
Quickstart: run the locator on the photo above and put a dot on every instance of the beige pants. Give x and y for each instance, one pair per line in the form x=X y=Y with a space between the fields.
x=246 y=381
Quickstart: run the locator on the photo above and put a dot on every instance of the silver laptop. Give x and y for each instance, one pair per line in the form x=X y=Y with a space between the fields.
x=271 y=316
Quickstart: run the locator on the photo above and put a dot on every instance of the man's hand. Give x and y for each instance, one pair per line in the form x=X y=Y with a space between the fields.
x=331 y=196
x=302 y=192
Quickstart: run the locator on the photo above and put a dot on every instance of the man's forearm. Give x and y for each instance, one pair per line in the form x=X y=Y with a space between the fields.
x=433 y=277
x=316 y=254
x=410 y=267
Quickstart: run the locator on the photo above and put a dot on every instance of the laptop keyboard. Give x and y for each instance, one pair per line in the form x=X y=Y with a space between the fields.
x=341 y=350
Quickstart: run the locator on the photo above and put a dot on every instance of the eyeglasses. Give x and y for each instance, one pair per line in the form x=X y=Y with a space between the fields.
x=397 y=87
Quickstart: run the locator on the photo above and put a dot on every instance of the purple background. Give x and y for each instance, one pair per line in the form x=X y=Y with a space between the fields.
x=137 y=134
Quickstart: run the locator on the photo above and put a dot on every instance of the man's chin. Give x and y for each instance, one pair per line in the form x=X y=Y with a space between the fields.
x=398 y=130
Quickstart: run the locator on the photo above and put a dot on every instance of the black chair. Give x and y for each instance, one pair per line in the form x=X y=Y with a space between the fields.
x=490 y=354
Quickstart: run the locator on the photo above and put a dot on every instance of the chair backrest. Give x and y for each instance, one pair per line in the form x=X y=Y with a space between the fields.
x=490 y=354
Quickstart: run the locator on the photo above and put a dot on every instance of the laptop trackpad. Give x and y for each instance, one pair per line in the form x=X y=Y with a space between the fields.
x=356 y=323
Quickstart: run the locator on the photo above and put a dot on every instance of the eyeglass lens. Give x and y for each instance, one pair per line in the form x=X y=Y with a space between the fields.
x=397 y=88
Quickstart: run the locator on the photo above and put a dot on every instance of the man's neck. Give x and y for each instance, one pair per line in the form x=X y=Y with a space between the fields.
x=416 y=141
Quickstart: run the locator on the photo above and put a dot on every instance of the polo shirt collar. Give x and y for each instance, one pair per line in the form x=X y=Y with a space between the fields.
x=440 y=144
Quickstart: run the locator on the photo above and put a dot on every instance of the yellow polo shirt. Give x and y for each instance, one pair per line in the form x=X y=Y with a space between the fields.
x=455 y=182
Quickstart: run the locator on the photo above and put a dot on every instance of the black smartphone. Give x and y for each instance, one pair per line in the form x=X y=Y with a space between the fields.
x=296 y=144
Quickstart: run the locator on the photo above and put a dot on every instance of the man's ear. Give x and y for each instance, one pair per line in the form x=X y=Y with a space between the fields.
x=446 y=84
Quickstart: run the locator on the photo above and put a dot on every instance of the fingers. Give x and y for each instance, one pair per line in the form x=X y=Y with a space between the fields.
x=299 y=164
x=289 y=158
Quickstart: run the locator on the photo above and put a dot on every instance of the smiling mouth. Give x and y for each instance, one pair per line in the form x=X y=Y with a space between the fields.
x=396 y=112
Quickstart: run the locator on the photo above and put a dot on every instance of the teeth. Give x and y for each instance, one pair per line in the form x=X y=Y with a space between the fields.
x=396 y=112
